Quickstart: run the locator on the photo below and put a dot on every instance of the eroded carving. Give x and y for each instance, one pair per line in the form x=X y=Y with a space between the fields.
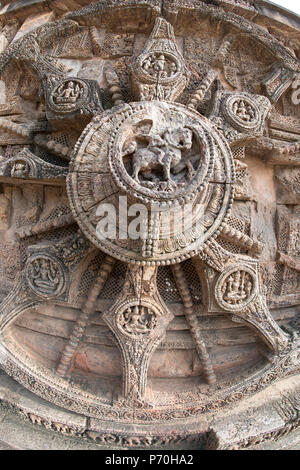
x=138 y=319
x=169 y=161
x=68 y=96
x=236 y=288
x=45 y=276
x=159 y=71
x=166 y=128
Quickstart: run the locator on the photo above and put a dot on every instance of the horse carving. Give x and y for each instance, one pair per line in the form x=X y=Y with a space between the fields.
x=162 y=152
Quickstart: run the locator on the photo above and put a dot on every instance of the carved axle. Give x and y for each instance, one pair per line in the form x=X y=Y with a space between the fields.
x=41 y=227
x=193 y=324
x=241 y=239
x=87 y=310
x=114 y=85
x=199 y=94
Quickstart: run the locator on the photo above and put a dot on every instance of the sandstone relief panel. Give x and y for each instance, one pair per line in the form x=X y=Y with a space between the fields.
x=114 y=122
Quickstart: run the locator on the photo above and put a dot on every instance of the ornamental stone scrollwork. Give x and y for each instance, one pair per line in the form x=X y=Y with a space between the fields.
x=20 y=169
x=160 y=65
x=48 y=274
x=137 y=319
x=27 y=166
x=139 y=323
x=159 y=72
x=242 y=112
x=149 y=211
x=163 y=155
x=237 y=292
x=278 y=81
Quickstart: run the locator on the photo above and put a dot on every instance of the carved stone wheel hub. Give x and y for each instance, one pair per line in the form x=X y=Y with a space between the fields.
x=112 y=159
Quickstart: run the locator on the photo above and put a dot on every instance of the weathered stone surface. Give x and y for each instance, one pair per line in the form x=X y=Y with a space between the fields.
x=259 y=422
x=33 y=22
x=153 y=336
x=287 y=185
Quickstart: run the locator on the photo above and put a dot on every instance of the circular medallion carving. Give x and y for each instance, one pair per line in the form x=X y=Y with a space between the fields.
x=68 y=95
x=159 y=65
x=163 y=157
x=236 y=288
x=136 y=319
x=161 y=153
x=45 y=275
x=242 y=112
